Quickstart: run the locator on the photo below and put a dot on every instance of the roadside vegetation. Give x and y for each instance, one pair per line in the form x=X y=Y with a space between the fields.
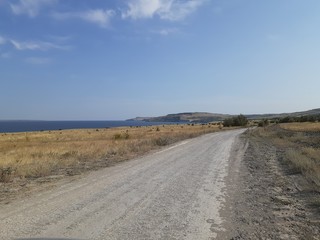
x=237 y=121
x=299 y=144
x=69 y=152
x=280 y=181
x=307 y=118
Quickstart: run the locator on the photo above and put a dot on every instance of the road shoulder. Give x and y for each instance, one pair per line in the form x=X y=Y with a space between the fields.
x=263 y=201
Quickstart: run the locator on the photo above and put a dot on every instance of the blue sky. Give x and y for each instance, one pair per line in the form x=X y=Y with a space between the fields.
x=113 y=60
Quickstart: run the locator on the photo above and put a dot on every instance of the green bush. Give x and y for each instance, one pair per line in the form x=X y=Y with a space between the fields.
x=239 y=120
x=263 y=123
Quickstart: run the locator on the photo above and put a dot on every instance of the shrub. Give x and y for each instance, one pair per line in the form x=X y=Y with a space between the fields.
x=6 y=174
x=239 y=120
x=263 y=123
x=161 y=141
x=117 y=136
x=126 y=135
x=286 y=120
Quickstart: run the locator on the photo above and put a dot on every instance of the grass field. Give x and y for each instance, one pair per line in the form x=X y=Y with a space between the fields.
x=304 y=127
x=300 y=143
x=38 y=154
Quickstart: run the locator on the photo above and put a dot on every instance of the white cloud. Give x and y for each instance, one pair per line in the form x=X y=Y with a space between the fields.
x=38 y=60
x=165 y=9
x=97 y=16
x=30 y=7
x=30 y=45
x=143 y=8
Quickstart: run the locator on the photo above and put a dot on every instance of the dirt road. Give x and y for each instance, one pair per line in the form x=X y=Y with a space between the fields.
x=176 y=193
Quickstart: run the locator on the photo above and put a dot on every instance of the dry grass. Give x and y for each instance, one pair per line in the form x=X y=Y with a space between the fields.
x=305 y=127
x=300 y=143
x=303 y=163
x=37 y=154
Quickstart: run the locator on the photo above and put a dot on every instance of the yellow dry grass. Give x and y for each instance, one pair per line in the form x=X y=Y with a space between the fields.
x=36 y=154
x=306 y=126
x=304 y=163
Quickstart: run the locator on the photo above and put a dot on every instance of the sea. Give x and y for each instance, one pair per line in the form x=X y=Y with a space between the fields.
x=29 y=126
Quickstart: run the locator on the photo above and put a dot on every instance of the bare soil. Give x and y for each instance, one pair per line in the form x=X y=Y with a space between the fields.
x=266 y=200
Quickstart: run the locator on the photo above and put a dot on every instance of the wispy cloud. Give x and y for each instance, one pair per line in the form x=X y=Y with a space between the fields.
x=173 y=10
x=38 y=60
x=37 y=45
x=98 y=16
x=166 y=31
x=273 y=37
x=2 y=40
x=217 y=10
x=30 y=7
x=5 y=55
x=56 y=43
x=59 y=39
x=180 y=10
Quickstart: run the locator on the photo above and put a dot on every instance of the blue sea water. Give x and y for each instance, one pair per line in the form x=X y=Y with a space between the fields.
x=27 y=126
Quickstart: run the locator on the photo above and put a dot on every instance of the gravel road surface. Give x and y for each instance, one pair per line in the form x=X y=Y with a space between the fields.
x=176 y=193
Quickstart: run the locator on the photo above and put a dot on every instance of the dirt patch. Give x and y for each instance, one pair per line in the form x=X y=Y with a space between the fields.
x=266 y=201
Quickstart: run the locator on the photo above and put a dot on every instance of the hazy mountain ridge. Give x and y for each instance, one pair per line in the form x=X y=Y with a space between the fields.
x=202 y=117
x=185 y=117
x=281 y=115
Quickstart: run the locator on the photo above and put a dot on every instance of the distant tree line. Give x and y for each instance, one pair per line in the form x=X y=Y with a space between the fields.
x=307 y=118
x=239 y=120
x=289 y=119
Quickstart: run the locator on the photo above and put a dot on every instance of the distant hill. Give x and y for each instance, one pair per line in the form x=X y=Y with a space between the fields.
x=185 y=117
x=282 y=115
x=204 y=117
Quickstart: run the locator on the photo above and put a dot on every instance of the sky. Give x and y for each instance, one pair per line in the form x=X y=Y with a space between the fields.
x=119 y=59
